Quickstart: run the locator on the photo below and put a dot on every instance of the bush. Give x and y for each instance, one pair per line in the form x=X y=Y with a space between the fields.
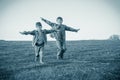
x=114 y=37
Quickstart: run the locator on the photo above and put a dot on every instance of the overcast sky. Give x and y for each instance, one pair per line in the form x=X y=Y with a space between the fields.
x=97 y=19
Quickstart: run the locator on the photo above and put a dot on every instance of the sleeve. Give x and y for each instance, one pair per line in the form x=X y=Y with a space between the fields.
x=29 y=32
x=48 y=22
x=49 y=31
x=70 y=29
x=32 y=32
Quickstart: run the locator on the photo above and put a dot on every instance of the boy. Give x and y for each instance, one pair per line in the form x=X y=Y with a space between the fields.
x=60 y=34
x=39 y=40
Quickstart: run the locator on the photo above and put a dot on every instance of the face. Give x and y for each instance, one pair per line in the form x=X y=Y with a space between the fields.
x=38 y=27
x=59 y=21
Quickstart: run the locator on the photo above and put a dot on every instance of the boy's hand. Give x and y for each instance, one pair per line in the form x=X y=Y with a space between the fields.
x=55 y=30
x=52 y=35
x=41 y=18
x=23 y=33
x=77 y=30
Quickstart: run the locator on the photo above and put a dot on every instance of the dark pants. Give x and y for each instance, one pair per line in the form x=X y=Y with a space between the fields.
x=61 y=45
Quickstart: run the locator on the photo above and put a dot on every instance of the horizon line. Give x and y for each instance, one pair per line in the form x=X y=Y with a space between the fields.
x=55 y=40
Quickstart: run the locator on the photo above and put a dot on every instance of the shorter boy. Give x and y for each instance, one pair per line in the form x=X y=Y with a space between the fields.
x=39 y=40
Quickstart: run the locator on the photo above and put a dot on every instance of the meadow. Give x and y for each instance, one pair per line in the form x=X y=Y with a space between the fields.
x=83 y=60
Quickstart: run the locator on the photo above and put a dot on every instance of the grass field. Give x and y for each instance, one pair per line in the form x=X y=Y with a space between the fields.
x=84 y=60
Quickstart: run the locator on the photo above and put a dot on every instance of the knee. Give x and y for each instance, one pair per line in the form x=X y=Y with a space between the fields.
x=37 y=55
x=41 y=53
x=60 y=49
x=65 y=49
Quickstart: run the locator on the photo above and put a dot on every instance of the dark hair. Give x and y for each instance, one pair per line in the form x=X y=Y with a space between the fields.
x=38 y=24
x=60 y=18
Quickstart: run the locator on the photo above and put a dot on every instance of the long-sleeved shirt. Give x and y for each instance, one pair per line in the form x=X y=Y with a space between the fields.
x=60 y=30
x=39 y=37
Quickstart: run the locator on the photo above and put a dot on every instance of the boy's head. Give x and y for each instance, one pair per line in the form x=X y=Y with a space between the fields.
x=38 y=25
x=59 y=20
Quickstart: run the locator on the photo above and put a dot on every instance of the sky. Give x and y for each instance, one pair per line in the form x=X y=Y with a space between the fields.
x=97 y=19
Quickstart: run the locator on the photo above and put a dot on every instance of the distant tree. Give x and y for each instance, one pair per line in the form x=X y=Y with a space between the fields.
x=2 y=40
x=114 y=37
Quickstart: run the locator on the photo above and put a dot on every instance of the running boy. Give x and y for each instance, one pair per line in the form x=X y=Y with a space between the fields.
x=39 y=40
x=60 y=34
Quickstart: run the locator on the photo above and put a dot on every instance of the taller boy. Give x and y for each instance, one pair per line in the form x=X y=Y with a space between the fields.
x=60 y=34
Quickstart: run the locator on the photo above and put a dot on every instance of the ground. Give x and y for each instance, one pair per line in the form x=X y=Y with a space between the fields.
x=83 y=60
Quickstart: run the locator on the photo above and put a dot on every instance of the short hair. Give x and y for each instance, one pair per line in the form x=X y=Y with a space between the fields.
x=60 y=18
x=38 y=24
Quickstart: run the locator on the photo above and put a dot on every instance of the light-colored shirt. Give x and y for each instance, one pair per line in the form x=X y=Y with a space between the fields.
x=60 y=30
x=39 y=37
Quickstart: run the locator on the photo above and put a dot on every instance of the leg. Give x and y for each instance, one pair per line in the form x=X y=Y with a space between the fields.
x=41 y=55
x=36 y=53
x=59 y=46
x=64 y=49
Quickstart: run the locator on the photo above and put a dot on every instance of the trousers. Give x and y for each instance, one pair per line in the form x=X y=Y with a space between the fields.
x=61 y=48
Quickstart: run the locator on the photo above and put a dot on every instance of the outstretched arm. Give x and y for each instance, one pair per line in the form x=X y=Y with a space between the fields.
x=28 y=32
x=49 y=31
x=71 y=29
x=48 y=22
